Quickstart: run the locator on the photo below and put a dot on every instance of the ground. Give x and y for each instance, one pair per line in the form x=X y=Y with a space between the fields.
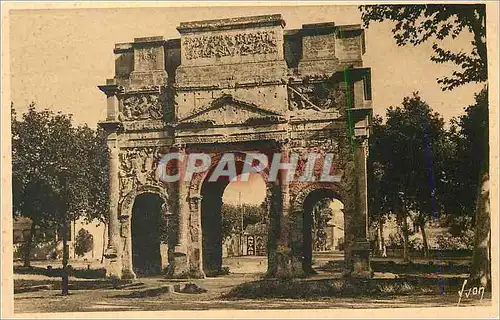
x=157 y=293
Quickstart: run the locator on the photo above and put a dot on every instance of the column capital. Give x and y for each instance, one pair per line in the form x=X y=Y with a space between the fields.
x=111 y=88
x=283 y=144
x=111 y=126
x=179 y=146
x=360 y=139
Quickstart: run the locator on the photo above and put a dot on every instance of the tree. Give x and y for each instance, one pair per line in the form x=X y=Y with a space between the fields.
x=416 y=24
x=322 y=213
x=84 y=242
x=58 y=172
x=406 y=153
x=30 y=191
x=231 y=217
x=469 y=136
x=467 y=143
x=378 y=206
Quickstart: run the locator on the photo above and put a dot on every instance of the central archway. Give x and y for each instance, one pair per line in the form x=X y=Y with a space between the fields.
x=240 y=239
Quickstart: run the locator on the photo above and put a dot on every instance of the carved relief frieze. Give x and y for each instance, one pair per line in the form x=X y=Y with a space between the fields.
x=146 y=56
x=230 y=45
x=321 y=97
x=137 y=167
x=141 y=107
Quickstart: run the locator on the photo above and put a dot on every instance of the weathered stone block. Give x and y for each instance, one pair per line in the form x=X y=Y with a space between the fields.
x=350 y=43
x=318 y=41
x=124 y=60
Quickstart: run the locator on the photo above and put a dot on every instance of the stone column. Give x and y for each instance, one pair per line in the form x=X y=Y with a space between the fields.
x=112 y=126
x=360 y=248
x=196 y=245
x=287 y=262
x=180 y=263
x=113 y=251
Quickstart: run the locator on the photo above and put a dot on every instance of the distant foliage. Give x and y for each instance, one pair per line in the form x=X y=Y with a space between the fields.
x=322 y=214
x=462 y=242
x=84 y=242
x=232 y=217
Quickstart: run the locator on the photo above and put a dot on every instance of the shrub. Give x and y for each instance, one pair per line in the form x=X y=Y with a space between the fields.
x=461 y=242
x=84 y=242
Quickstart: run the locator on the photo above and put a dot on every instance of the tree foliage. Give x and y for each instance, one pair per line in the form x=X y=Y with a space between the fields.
x=408 y=164
x=406 y=157
x=468 y=150
x=322 y=214
x=232 y=214
x=59 y=171
x=418 y=23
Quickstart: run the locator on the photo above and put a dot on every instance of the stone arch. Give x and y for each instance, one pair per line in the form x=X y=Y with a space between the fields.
x=196 y=204
x=197 y=180
x=301 y=206
x=128 y=199
x=125 y=219
x=297 y=203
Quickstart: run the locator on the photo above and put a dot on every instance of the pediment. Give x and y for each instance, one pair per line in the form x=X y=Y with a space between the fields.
x=227 y=110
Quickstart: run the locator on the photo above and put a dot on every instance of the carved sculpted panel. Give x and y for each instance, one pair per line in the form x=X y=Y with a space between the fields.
x=146 y=58
x=137 y=167
x=141 y=107
x=229 y=45
x=322 y=97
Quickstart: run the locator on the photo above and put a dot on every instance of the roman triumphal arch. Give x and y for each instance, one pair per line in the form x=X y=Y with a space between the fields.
x=234 y=85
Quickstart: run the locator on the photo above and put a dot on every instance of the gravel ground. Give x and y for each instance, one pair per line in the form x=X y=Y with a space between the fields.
x=120 y=300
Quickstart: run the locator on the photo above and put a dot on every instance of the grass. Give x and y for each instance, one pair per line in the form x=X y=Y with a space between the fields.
x=56 y=272
x=411 y=267
x=21 y=285
x=346 y=287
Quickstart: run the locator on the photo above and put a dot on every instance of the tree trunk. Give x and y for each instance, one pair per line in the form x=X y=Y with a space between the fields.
x=424 y=239
x=28 y=245
x=480 y=268
x=406 y=251
x=381 y=241
x=104 y=241
x=64 y=273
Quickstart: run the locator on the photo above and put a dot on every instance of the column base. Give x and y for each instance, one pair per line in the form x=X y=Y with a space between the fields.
x=113 y=264
x=128 y=274
x=179 y=268
x=359 y=260
x=285 y=265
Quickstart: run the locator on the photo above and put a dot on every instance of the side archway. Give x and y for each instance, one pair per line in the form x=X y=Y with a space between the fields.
x=143 y=216
x=303 y=218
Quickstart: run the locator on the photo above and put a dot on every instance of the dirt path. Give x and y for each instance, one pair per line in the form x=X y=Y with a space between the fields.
x=120 y=300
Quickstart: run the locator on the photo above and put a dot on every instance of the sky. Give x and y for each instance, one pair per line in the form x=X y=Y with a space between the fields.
x=58 y=57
